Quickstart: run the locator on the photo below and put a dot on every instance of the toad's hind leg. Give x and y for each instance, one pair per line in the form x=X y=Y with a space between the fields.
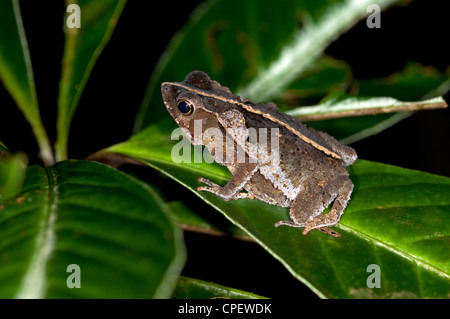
x=306 y=211
x=344 y=188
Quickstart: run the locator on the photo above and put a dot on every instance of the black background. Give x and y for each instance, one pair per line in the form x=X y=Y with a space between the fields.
x=105 y=116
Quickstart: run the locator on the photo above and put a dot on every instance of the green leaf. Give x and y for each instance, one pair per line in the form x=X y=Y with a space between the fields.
x=82 y=48
x=351 y=129
x=306 y=46
x=17 y=75
x=397 y=219
x=115 y=228
x=414 y=82
x=12 y=174
x=325 y=76
x=190 y=288
x=3 y=148
x=258 y=48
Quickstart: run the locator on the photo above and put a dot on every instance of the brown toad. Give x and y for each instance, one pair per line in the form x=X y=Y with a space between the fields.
x=273 y=156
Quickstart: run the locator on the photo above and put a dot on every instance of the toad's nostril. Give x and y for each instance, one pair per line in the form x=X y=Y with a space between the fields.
x=165 y=87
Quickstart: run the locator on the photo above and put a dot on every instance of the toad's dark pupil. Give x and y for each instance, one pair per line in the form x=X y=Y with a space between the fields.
x=185 y=107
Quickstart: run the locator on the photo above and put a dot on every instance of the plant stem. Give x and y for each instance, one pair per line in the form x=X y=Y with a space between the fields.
x=359 y=107
x=45 y=148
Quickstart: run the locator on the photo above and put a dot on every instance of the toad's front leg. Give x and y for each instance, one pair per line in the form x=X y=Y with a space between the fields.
x=231 y=190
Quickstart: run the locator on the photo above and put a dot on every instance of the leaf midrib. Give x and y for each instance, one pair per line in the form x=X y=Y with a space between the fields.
x=34 y=282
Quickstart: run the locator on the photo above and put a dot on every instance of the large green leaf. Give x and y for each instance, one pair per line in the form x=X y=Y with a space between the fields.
x=258 y=48
x=82 y=48
x=397 y=219
x=17 y=75
x=190 y=288
x=307 y=45
x=115 y=228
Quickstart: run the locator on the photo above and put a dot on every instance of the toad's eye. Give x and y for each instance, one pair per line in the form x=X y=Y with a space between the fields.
x=185 y=107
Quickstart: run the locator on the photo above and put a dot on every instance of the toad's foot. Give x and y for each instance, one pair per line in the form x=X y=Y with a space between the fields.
x=325 y=230
x=219 y=190
x=320 y=221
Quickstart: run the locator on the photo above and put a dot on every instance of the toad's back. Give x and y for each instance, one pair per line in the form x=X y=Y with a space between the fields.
x=301 y=167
